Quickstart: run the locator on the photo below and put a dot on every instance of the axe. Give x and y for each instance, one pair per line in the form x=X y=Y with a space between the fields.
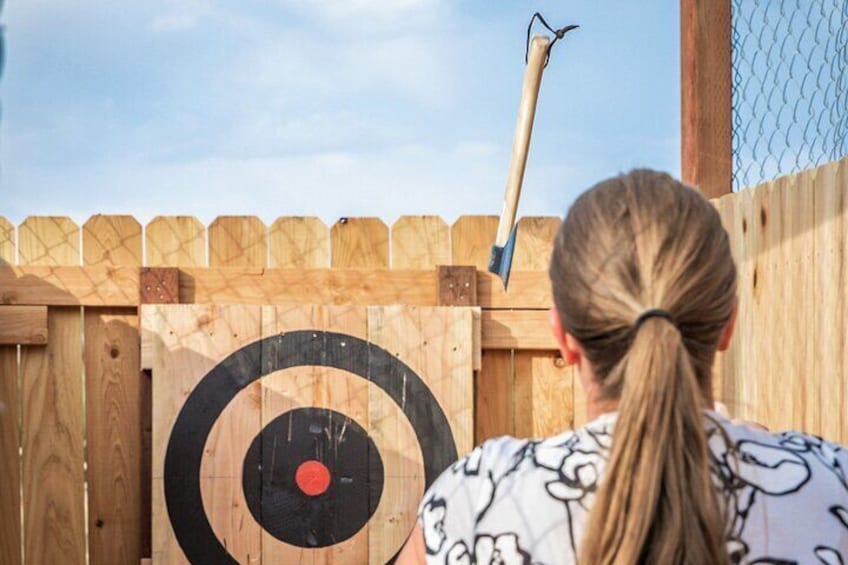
x=538 y=51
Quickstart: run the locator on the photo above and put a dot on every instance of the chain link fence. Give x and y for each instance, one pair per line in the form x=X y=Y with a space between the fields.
x=790 y=86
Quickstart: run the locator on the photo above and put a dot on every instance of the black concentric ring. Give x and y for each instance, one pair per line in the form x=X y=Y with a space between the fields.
x=294 y=349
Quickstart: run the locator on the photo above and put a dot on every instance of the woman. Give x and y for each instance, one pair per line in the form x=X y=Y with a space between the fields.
x=644 y=293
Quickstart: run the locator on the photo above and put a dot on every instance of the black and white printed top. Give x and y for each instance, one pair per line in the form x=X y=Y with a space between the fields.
x=525 y=502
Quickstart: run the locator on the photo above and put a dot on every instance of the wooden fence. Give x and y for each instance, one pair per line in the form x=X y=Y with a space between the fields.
x=75 y=433
x=75 y=427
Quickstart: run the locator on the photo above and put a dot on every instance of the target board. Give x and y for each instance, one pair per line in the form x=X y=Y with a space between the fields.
x=301 y=434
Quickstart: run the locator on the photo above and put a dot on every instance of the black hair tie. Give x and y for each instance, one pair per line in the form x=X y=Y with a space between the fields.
x=652 y=313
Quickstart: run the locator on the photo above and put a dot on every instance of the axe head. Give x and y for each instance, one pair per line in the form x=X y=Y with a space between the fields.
x=500 y=262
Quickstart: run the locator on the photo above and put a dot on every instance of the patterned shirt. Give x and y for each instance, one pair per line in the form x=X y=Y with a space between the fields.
x=516 y=501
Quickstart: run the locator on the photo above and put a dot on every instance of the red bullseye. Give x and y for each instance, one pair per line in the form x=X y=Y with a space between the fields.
x=312 y=477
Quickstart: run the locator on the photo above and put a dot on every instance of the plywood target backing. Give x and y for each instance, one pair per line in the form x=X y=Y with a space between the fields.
x=301 y=434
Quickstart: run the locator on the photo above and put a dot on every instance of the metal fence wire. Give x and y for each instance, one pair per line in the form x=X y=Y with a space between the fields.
x=790 y=89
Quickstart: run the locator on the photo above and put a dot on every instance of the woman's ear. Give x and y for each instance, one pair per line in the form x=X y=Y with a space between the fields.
x=727 y=334
x=568 y=346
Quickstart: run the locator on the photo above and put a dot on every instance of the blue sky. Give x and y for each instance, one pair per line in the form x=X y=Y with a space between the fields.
x=324 y=107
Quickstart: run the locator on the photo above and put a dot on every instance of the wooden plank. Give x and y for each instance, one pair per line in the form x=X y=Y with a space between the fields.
x=309 y=286
x=706 y=104
x=725 y=371
x=112 y=240
x=238 y=241
x=517 y=329
x=189 y=340
x=117 y=520
x=69 y=286
x=119 y=286
x=298 y=243
x=436 y=344
x=472 y=238
x=319 y=387
x=751 y=267
x=797 y=263
x=826 y=391
x=8 y=248
x=544 y=395
x=52 y=416
x=48 y=240
x=527 y=289
x=10 y=476
x=175 y=241
x=113 y=428
x=534 y=242
x=420 y=242
x=23 y=325
x=360 y=243
x=494 y=394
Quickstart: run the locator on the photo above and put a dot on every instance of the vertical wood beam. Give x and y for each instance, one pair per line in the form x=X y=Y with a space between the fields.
x=706 y=103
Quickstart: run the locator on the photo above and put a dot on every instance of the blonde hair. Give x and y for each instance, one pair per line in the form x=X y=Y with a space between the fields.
x=633 y=243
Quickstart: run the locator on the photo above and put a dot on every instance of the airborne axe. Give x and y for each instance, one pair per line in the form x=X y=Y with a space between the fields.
x=538 y=53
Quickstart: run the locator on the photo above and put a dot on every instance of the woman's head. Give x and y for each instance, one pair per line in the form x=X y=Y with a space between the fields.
x=634 y=243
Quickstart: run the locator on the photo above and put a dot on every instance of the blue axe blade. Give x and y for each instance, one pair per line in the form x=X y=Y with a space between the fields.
x=500 y=262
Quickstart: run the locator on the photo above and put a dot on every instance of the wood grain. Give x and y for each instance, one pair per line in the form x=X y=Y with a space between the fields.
x=517 y=329
x=544 y=389
x=420 y=242
x=69 y=286
x=534 y=242
x=189 y=340
x=175 y=241
x=706 y=102
x=52 y=416
x=494 y=392
x=8 y=248
x=26 y=325
x=360 y=243
x=826 y=390
x=118 y=519
x=10 y=414
x=112 y=240
x=298 y=243
x=544 y=395
x=113 y=426
x=320 y=387
x=436 y=344
x=238 y=241
x=48 y=240
x=472 y=238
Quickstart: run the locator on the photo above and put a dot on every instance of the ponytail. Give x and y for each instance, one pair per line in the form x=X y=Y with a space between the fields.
x=656 y=503
x=630 y=244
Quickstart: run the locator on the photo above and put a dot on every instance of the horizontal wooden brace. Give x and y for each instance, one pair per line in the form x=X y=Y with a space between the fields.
x=23 y=325
x=119 y=286
x=69 y=286
x=517 y=329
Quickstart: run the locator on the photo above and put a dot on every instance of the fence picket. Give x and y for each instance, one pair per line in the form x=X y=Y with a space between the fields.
x=10 y=476
x=420 y=242
x=117 y=521
x=175 y=241
x=299 y=243
x=238 y=241
x=360 y=243
x=52 y=416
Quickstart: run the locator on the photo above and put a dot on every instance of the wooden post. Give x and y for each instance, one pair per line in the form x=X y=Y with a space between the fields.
x=705 y=57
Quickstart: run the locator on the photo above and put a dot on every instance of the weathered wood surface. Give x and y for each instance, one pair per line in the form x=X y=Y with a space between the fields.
x=360 y=243
x=113 y=411
x=175 y=241
x=238 y=241
x=299 y=243
x=10 y=461
x=52 y=415
x=420 y=242
x=435 y=343
x=23 y=325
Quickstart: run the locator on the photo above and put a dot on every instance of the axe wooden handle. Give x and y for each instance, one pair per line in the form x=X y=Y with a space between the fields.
x=521 y=142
